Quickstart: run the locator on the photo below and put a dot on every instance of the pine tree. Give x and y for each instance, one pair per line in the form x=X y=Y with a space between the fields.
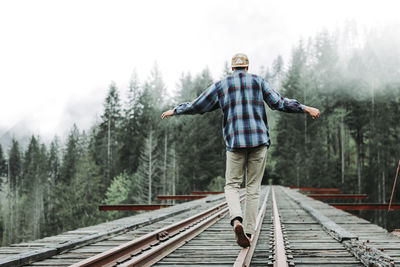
x=291 y=130
x=70 y=157
x=157 y=88
x=227 y=70
x=64 y=190
x=53 y=177
x=33 y=182
x=119 y=192
x=3 y=177
x=3 y=168
x=203 y=134
x=107 y=144
x=147 y=175
x=87 y=192
x=12 y=210
x=277 y=72
x=14 y=165
x=131 y=134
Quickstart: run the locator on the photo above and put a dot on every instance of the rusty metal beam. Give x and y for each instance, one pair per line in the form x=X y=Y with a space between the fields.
x=364 y=206
x=163 y=197
x=338 y=196
x=206 y=192
x=322 y=192
x=133 y=207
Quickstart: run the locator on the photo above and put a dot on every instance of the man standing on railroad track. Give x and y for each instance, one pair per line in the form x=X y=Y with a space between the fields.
x=241 y=98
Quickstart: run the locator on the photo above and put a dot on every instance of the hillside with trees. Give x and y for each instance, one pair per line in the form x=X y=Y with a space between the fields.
x=131 y=155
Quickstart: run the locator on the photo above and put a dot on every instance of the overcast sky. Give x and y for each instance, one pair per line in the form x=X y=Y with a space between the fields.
x=57 y=58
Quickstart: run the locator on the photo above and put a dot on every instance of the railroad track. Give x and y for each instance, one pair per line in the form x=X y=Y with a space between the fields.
x=288 y=232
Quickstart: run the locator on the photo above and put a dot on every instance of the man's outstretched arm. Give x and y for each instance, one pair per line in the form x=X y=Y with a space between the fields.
x=276 y=102
x=207 y=101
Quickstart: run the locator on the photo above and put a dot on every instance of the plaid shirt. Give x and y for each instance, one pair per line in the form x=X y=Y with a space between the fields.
x=241 y=98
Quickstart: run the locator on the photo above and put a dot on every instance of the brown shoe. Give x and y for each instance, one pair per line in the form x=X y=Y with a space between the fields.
x=241 y=238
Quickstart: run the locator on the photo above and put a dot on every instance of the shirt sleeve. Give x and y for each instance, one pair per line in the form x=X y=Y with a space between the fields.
x=276 y=102
x=206 y=102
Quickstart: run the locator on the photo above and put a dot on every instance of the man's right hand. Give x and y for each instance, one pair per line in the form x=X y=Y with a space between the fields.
x=167 y=114
x=313 y=112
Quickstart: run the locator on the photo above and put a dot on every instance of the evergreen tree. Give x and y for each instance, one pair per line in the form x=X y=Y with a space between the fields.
x=203 y=134
x=14 y=165
x=106 y=144
x=64 y=190
x=3 y=167
x=277 y=72
x=147 y=175
x=291 y=128
x=131 y=135
x=227 y=70
x=157 y=87
x=118 y=191
x=87 y=193
x=53 y=177
x=11 y=210
x=33 y=183
x=70 y=157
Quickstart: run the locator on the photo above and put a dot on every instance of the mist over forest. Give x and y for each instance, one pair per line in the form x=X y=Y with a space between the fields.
x=130 y=155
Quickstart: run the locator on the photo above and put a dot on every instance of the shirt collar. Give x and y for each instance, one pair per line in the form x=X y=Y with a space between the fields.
x=239 y=71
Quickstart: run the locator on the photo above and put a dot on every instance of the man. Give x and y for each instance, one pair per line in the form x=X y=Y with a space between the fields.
x=241 y=98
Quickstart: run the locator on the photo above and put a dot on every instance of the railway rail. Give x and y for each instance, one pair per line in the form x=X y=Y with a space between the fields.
x=291 y=230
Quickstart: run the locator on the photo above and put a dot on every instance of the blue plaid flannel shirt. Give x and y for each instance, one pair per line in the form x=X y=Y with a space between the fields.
x=241 y=98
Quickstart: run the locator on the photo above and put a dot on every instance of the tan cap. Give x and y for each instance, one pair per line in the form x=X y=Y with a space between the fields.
x=240 y=60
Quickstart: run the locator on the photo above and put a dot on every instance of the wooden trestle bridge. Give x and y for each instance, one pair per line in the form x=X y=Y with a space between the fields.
x=293 y=229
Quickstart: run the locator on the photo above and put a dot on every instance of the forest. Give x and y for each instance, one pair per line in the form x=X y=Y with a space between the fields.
x=130 y=155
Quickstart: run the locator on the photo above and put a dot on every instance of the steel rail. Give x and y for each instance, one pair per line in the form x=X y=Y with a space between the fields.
x=245 y=255
x=280 y=259
x=147 y=246
x=150 y=257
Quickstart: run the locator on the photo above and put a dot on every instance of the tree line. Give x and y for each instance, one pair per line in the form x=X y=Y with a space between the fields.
x=353 y=78
x=130 y=155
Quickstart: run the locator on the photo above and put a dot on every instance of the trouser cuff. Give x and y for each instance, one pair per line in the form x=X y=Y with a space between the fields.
x=237 y=218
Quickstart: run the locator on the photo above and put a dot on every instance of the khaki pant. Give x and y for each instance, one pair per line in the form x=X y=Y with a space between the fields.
x=252 y=159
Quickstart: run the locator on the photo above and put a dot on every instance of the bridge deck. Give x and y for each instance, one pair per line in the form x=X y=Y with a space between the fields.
x=308 y=242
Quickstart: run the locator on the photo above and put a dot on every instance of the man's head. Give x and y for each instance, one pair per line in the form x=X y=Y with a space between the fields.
x=240 y=61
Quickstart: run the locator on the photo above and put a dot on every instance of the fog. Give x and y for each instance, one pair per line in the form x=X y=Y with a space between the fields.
x=58 y=58
x=66 y=63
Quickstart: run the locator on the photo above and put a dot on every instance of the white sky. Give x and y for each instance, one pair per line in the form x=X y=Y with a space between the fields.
x=57 y=58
